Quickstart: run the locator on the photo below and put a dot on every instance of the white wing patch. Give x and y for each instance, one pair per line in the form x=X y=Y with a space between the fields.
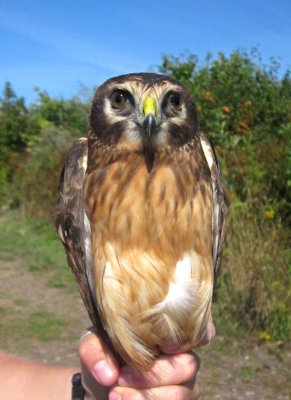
x=88 y=253
x=60 y=233
x=207 y=152
x=183 y=289
x=85 y=162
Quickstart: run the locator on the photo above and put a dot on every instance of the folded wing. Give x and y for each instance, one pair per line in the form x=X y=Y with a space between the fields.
x=74 y=229
x=220 y=201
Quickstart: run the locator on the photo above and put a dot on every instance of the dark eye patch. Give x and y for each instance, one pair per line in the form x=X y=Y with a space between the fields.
x=172 y=103
x=175 y=99
x=179 y=134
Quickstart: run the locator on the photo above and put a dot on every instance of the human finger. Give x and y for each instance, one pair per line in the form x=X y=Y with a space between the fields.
x=160 y=393
x=167 y=370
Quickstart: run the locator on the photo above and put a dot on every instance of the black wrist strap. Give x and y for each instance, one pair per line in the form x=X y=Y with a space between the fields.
x=78 y=392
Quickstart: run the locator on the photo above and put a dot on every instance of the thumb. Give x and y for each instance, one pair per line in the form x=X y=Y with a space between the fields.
x=100 y=370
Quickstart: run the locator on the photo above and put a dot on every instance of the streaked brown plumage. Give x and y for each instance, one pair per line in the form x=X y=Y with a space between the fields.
x=141 y=213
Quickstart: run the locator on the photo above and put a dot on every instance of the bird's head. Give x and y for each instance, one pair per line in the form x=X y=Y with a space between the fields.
x=142 y=112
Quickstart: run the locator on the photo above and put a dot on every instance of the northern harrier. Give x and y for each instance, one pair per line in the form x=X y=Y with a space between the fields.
x=141 y=213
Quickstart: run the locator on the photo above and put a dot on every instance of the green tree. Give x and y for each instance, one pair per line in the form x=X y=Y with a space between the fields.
x=14 y=121
x=69 y=114
x=22 y=131
x=245 y=108
x=37 y=180
x=17 y=129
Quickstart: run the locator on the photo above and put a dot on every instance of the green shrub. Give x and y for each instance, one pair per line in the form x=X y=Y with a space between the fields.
x=36 y=180
x=245 y=108
x=28 y=137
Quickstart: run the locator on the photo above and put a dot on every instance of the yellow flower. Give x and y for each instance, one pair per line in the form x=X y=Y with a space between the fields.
x=265 y=336
x=226 y=110
x=270 y=214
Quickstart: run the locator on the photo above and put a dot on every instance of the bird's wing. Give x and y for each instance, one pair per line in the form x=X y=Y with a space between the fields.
x=220 y=201
x=74 y=228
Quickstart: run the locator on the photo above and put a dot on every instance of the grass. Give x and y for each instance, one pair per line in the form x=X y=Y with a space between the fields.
x=40 y=325
x=44 y=326
x=36 y=246
x=253 y=291
x=246 y=373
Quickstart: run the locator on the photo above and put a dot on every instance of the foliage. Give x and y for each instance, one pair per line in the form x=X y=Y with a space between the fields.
x=37 y=180
x=245 y=108
x=16 y=127
x=28 y=134
x=14 y=121
x=67 y=114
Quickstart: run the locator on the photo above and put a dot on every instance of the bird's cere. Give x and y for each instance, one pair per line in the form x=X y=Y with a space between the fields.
x=150 y=106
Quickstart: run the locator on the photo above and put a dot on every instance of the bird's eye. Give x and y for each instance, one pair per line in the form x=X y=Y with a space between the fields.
x=118 y=99
x=175 y=99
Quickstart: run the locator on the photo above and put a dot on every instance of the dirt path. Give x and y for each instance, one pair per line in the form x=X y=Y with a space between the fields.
x=24 y=294
x=243 y=371
x=229 y=370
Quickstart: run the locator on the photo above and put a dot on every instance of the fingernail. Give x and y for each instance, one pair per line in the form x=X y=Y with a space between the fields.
x=103 y=372
x=114 y=396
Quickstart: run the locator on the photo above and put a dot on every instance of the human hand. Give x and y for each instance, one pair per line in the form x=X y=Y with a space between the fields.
x=171 y=376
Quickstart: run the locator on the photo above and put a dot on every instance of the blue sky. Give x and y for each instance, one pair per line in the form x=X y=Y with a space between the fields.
x=59 y=46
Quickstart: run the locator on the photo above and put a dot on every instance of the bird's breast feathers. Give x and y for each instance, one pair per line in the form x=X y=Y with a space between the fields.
x=152 y=250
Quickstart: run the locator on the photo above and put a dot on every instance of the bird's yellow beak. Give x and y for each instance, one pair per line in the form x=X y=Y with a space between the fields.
x=149 y=106
x=150 y=112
